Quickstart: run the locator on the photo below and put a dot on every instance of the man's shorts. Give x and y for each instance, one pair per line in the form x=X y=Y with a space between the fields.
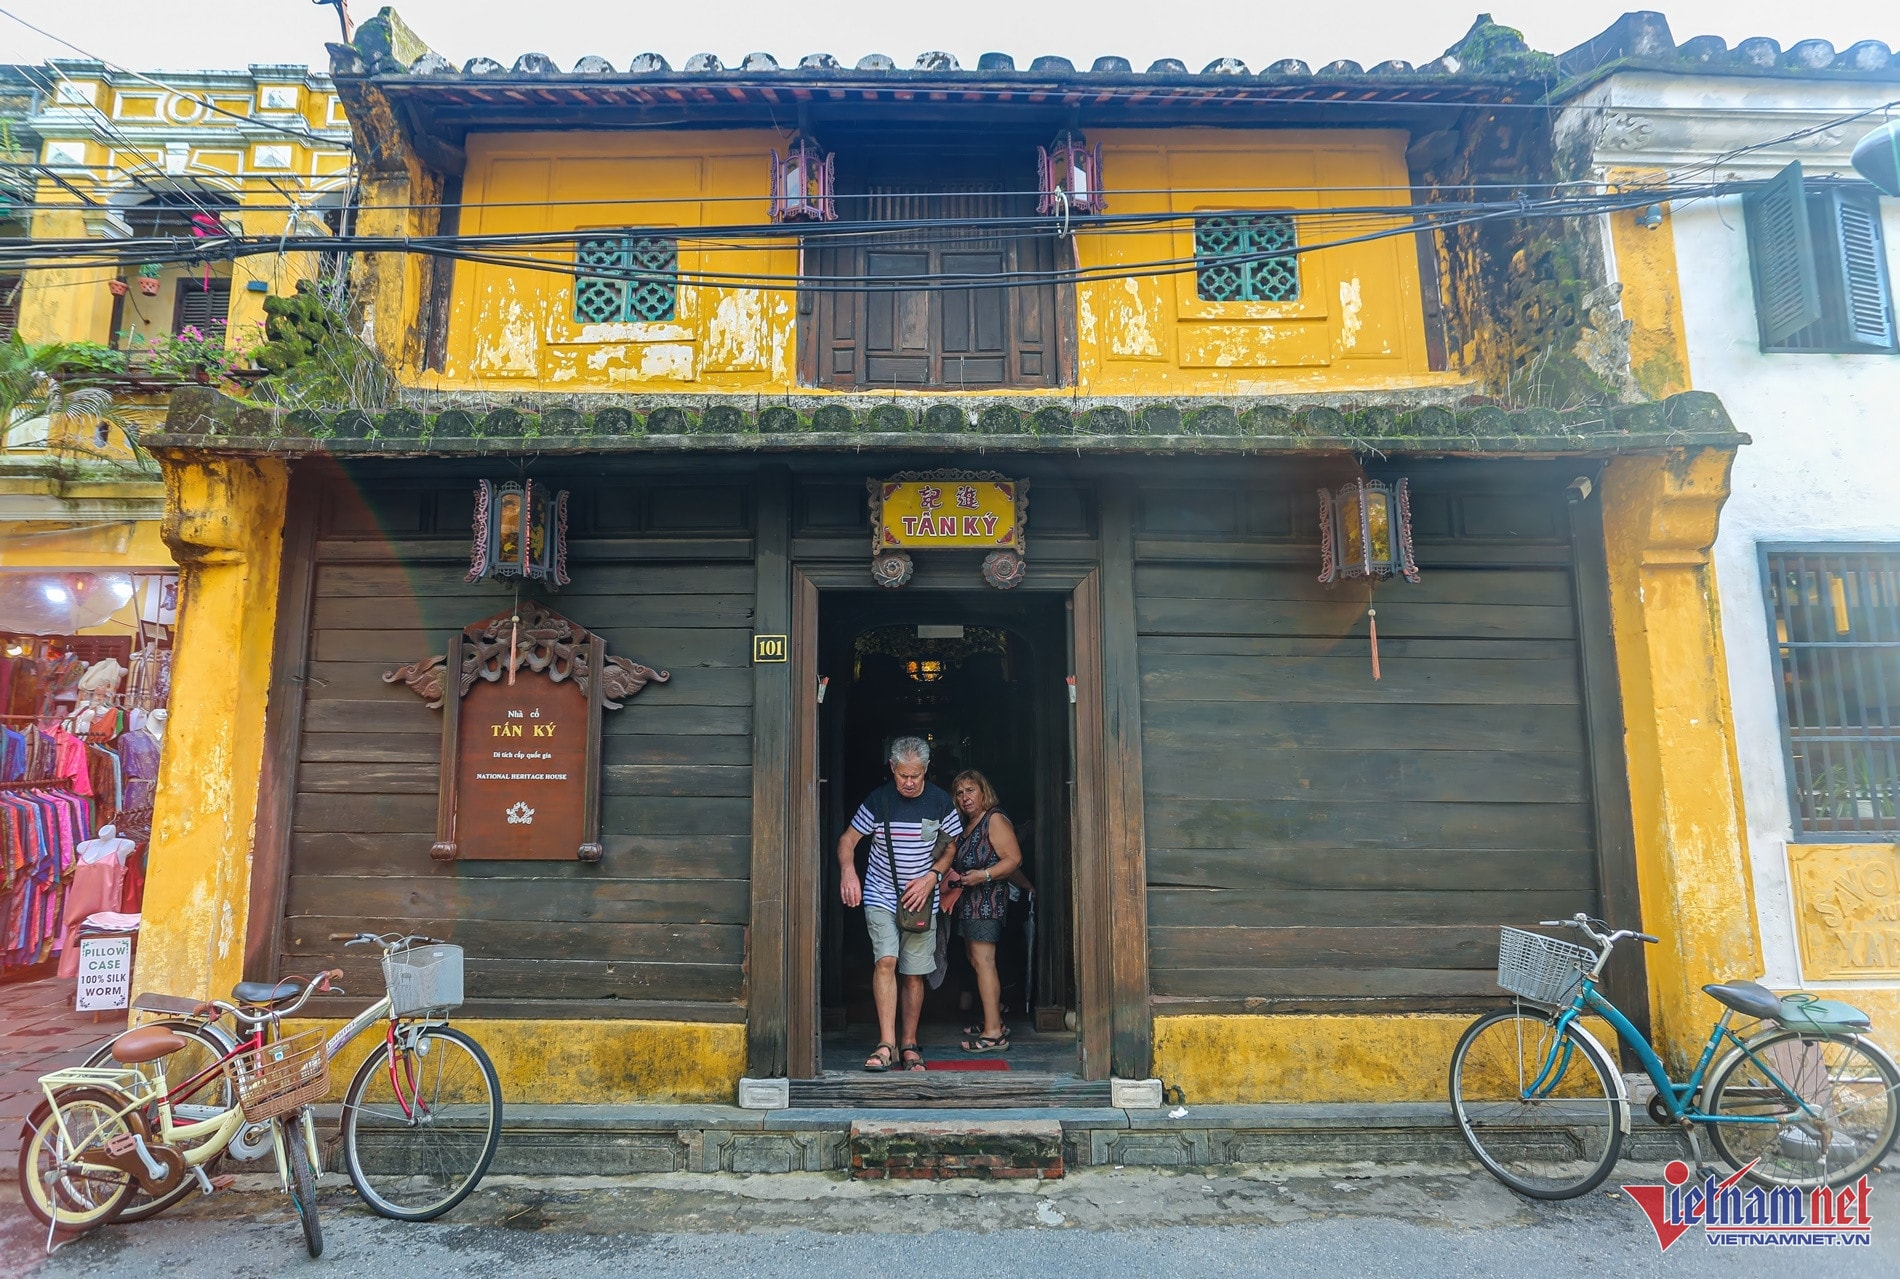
x=916 y=952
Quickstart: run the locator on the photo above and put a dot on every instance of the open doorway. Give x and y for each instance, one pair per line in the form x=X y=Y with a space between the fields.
x=982 y=678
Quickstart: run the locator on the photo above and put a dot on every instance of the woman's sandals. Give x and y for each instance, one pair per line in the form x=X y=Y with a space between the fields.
x=987 y=1043
x=879 y=1062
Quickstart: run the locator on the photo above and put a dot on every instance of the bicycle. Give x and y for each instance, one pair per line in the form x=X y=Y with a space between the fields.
x=421 y=1119
x=105 y=1130
x=422 y=1116
x=1540 y=1103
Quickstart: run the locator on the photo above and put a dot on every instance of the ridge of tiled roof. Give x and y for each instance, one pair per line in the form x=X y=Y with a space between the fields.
x=385 y=47
x=1641 y=40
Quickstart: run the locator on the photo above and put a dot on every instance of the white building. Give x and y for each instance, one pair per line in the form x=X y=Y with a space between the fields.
x=1797 y=336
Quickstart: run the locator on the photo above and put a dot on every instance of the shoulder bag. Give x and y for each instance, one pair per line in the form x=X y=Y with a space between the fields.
x=908 y=920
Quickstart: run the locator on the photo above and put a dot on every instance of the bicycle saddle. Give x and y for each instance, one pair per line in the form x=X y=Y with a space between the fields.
x=147 y=1043
x=263 y=992
x=1747 y=997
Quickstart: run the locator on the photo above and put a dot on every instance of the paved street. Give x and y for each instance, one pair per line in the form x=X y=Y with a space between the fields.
x=39 y=1031
x=1096 y=1222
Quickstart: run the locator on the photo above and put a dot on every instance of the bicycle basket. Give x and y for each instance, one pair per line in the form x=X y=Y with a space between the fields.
x=282 y=1075
x=1541 y=969
x=423 y=979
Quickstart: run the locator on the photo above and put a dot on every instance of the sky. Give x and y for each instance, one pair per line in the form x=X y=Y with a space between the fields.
x=228 y=34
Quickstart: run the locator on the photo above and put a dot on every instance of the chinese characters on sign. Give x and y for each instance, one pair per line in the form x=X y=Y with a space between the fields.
x=948 y=510
x=948 y=514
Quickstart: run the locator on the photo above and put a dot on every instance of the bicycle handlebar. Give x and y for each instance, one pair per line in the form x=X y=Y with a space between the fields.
x=319 y=984
x=1597 y=931
x=388 y=941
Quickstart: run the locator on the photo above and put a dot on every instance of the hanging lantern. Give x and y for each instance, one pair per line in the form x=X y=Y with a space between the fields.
x=520 y=531
x=1365 y=532
x=802 y=183
x=1070 y=176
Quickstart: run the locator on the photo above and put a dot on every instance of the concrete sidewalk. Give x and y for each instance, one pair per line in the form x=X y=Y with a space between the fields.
x=40 y=1032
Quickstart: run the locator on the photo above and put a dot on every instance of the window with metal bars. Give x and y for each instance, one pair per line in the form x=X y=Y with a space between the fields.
x=1246 y=257
x=1834 y=618
x=1819 y=265
x=626 y=278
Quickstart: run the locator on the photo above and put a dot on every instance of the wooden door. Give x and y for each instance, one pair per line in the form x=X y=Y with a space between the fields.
x=941 y=337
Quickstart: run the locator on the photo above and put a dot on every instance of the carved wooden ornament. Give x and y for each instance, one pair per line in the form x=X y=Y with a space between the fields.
x=522 y=694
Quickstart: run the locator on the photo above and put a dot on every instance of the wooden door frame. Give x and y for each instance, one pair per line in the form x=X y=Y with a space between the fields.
x=1108 y=880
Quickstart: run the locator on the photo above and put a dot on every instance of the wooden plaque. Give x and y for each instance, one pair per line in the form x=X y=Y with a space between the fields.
x=522 y=694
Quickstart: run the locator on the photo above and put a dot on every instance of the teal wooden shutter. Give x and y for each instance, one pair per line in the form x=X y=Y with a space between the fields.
x=1868 y=318
x=1781 y=257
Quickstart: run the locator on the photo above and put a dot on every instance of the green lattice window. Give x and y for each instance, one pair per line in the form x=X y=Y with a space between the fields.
x=624 y=278
x=1246 y=257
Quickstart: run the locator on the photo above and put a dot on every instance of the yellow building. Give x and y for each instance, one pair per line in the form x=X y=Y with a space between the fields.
x=1271 y=849
x=113 y=180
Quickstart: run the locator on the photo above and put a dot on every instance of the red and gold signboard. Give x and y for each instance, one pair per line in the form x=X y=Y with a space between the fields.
x=947 y=511
x=522 y=694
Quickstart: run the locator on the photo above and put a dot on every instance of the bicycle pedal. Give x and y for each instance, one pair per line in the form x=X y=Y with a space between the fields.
x=223 y=1181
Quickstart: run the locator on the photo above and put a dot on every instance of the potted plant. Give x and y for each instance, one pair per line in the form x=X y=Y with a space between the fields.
x=148 y=279
x=118 y=286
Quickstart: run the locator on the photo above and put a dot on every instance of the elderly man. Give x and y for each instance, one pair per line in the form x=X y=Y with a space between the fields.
x=912 y=825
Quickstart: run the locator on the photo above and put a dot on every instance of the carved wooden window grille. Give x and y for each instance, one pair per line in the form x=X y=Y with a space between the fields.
x=626 y=278
x=1246 y=257
x=1834 y=627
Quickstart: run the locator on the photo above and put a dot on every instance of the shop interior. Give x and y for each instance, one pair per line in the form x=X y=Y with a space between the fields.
x=982 y=679
x=85 y=679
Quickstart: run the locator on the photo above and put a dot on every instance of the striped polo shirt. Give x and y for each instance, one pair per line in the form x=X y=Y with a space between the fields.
x=907 y=818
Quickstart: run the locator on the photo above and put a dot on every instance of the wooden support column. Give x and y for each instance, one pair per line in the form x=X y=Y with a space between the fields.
x=283 y=732
x=767 y=1006
x=1124 y=835
x=1617 y=888
x=805 y=859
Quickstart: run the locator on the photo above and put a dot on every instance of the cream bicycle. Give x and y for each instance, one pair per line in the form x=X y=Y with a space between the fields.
x=105 y=1131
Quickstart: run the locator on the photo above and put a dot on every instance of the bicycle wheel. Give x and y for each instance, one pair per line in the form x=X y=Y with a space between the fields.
x=1850 y=1118
x=60 y=1183
x=1556 y=1144
x=205 y=1047
x=420 y=1130
x=303 y=1179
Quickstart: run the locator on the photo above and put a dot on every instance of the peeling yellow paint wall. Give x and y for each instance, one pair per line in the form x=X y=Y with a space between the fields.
x=599 y=1062
x=1652 y=295
x=121 y=547
x=224 y=522
x=1250 y=1059
x=512 y=327
x=1358 y=324
x=1659 y=518
x=1358 y=321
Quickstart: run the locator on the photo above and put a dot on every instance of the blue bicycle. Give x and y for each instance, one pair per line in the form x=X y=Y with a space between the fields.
x=1805 y=1100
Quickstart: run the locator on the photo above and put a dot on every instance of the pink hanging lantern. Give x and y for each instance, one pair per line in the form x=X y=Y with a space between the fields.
x=1070 y=176
x=802 y=183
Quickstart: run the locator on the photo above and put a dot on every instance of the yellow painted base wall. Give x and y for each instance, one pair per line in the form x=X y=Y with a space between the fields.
x=1243 y=1060
x=599 y=1062
x=126 y=547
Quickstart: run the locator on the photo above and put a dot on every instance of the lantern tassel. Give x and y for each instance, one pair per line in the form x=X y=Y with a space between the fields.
x=514 y=635
x=1373 y=613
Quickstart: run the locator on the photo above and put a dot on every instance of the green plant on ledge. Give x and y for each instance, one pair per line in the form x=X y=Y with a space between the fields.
x=314 y=361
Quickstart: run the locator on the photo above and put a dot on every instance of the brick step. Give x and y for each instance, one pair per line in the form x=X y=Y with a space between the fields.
x=956 y=1090
x=927 y=1150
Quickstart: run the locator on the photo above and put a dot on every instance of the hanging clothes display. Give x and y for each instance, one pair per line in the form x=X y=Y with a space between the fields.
x=42 y=825
x=97 y=885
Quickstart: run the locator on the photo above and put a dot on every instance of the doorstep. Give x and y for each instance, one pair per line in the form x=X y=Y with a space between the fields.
x=618 y=1140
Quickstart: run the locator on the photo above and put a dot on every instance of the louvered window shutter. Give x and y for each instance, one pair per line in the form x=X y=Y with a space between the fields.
x=1868 y=307
x=9 y=305
x=200 y=307
x=1781 y=257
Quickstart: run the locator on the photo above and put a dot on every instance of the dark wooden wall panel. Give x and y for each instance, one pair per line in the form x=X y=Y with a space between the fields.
x=659 y=927
x=1315 y=837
